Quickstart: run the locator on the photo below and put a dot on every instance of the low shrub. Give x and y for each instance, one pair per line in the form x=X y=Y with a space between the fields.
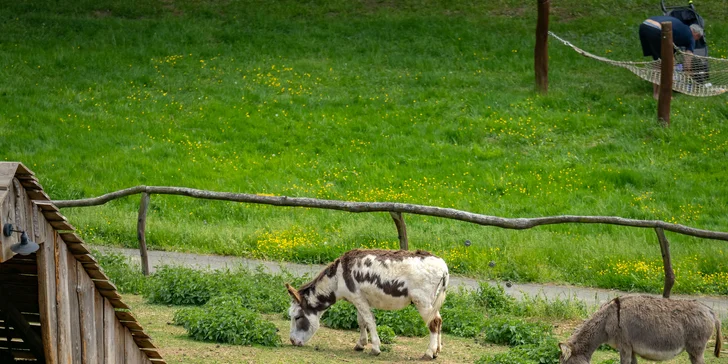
x=512 y=332
x=181 y=286
x=555 y=308
x=263 y=292
x=386 y=334
x=494 y=298
x=125 y=274
x=463 y=314
x=224 y=319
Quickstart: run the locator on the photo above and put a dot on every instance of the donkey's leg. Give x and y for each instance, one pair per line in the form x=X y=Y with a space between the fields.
x=696 y=353
x=439 y=334
x=626 y=354
x=362 y=332
x=434 y=325
x=363 y=309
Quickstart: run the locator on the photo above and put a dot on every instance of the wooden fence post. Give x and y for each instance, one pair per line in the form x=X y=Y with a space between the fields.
x=401 y=230
x=667 y=62
x=666 y=262
x=541 y=56
x=141 y=232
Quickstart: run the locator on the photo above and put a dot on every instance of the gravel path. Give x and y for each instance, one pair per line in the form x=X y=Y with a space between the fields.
x=592 y=296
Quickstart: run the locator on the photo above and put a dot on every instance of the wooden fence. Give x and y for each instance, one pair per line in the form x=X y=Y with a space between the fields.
x=396 y=210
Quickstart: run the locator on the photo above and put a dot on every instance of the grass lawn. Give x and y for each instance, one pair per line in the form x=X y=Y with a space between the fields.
x=327 y=346
x=415 y=101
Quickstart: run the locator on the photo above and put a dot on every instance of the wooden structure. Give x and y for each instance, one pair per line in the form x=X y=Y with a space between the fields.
x=57 y=305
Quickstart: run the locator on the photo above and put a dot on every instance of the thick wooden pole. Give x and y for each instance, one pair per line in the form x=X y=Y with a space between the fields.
x=668 y=61
x=401 y=230
x=141 y=232
x=541 y=56
x=666 y=262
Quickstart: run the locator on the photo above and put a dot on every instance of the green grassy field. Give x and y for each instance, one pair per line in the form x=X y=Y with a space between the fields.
x=425 y=102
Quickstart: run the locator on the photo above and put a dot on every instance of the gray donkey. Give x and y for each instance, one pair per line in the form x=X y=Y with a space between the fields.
x=654 y=328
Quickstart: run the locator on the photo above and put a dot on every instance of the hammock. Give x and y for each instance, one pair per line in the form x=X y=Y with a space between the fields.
x=709 y=76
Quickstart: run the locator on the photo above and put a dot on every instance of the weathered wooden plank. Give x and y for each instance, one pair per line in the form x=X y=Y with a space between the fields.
x=46 y=205
x=30 y=184
x=54 y=216
x=110 y=294
x=87 y=313
x=110 y=337
x=119 y=304
x=85 y=259
x=132 y=325
x=144 y=343
x=65 y=347
x=140 y=334
x=158 y=361
x=61 y=225
x=71 y=238
x=7 y=173
x=152 y=354
x=37 y=195
x=104 y=285
x=78 y=249
x=125 y=316
x=132 y=351
x=22 y=170
x=75 y=307
x=120 y=348
x=96 y=274
x=8 y=214
x=99 y=313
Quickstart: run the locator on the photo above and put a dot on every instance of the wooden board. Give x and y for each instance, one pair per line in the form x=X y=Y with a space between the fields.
x=87 y=314
x=99 y=308
x=62 y=225
x=78 y=249
x=71 y=238
x=97 y=274
x=110 y=337
x=37 y=195
x=75 y=307
x=46 y=205
x=54 y=216
x=65 y=349
x=120 y=345
x=104 y=284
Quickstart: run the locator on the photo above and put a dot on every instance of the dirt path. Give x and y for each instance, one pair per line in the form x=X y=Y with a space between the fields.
x=591 y=296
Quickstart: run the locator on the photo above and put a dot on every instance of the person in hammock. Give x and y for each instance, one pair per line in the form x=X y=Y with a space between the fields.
x=683 y=36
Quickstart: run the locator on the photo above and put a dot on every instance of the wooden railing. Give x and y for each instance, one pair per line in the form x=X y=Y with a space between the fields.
x=396 y=210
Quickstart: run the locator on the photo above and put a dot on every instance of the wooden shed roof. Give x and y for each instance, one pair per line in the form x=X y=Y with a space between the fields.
x=107 y=289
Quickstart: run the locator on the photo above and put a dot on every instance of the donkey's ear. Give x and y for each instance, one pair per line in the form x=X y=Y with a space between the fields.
x=294 y=293
x=565 y=351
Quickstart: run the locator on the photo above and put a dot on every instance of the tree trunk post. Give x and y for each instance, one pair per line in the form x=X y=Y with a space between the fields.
x=541 y=53
x=666 y=69
x=401 y=230
x=141 y=232
x=666 y=261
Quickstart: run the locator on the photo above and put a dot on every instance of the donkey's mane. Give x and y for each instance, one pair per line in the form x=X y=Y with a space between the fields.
x=329 y=271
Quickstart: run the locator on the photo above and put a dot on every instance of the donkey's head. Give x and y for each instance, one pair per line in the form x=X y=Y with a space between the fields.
x=569 y=357
x=304 y=320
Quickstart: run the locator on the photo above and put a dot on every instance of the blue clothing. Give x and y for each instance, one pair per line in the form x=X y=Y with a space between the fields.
x=650 y=35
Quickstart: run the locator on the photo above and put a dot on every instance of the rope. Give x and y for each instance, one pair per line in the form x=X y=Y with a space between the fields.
x=707 y=76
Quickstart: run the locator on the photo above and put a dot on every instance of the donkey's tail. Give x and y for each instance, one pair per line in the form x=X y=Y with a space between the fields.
x=718 y=336
x=440 y=294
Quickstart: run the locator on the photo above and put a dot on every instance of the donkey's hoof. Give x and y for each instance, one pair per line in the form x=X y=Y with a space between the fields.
x=375 y=352
x=427 y=358
x=359 y=347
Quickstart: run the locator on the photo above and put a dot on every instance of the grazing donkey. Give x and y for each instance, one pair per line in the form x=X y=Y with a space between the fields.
x=654 y=328
x=382 y=279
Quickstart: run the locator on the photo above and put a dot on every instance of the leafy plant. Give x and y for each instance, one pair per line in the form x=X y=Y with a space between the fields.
x=126 y=275
x=181 y=286
x=494 y=298
x=224 y=319
x=511 y=331
x=386 y=334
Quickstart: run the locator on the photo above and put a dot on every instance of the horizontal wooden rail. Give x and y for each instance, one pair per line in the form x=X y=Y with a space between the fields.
x=508 y=223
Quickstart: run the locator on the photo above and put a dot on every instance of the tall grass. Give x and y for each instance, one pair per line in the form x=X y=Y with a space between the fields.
x=415 y=101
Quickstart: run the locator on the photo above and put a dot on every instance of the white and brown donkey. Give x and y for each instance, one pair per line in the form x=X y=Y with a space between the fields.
x=382 y=279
